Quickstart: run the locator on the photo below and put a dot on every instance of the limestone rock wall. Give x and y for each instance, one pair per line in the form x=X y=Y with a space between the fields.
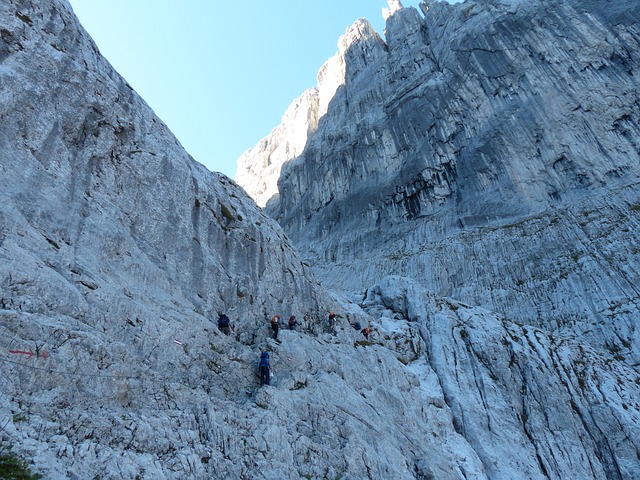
x=265 y=160
x=532 y=405
x=117 y=251
x=488 y=150
x=99 y=194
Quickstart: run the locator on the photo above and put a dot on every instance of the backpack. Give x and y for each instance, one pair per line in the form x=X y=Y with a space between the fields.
x=264 y=359
x=223 y=321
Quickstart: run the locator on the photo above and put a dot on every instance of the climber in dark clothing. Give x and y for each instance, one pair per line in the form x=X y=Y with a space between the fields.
x=292 y=322
x=332 y=323
x=275 y=326
x=223 y=323
x=366 y=331
x=264 y=368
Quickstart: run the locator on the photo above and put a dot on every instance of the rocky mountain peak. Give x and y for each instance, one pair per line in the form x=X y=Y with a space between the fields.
x=468 y=156
x=486 y=151
x=360 y=31
x=300 y=119
x=469 y=126
x=394 y=6
x=288 y=140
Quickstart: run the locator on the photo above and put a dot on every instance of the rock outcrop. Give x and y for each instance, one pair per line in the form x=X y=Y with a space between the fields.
x=117 y=251
x=488 y=150
x=104 y=214
x=259 y=165
x=532 y=405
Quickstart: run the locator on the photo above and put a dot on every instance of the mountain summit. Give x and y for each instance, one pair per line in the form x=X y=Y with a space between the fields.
x=487 y=150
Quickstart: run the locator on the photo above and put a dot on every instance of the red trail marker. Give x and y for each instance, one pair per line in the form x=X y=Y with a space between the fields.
x=22 y=352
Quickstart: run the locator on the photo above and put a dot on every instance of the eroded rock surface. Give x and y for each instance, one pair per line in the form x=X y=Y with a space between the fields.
x=117 y=251
x=532 y=405
x=488 y=150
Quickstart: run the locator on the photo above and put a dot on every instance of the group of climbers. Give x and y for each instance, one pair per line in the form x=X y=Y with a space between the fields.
x=356 y=326
x=365 y=331
x=275 y=324
x=264 y=367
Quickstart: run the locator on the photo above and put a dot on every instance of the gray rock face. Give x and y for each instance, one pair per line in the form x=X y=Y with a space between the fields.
x=532 y=405
x=117 y=251
x=258 y=166
x=98 y=193
x=488 y=150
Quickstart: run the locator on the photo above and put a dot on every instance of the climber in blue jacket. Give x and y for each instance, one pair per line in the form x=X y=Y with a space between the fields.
x=265 y=368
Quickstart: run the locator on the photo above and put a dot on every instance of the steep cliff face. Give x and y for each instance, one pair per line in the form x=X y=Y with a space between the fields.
x=117 y=249
x=117 y=253
x=532 y=405
x=488 y=150
x=99 y=194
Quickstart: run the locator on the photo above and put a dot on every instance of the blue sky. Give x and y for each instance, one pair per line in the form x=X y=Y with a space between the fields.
x=221 y=74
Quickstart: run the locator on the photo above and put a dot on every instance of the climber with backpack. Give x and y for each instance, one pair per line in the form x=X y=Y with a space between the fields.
x=223 y=323
x=366 y=331
x=292 y=322
x=332 y=323
x=265 y=368
x=275 y=326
